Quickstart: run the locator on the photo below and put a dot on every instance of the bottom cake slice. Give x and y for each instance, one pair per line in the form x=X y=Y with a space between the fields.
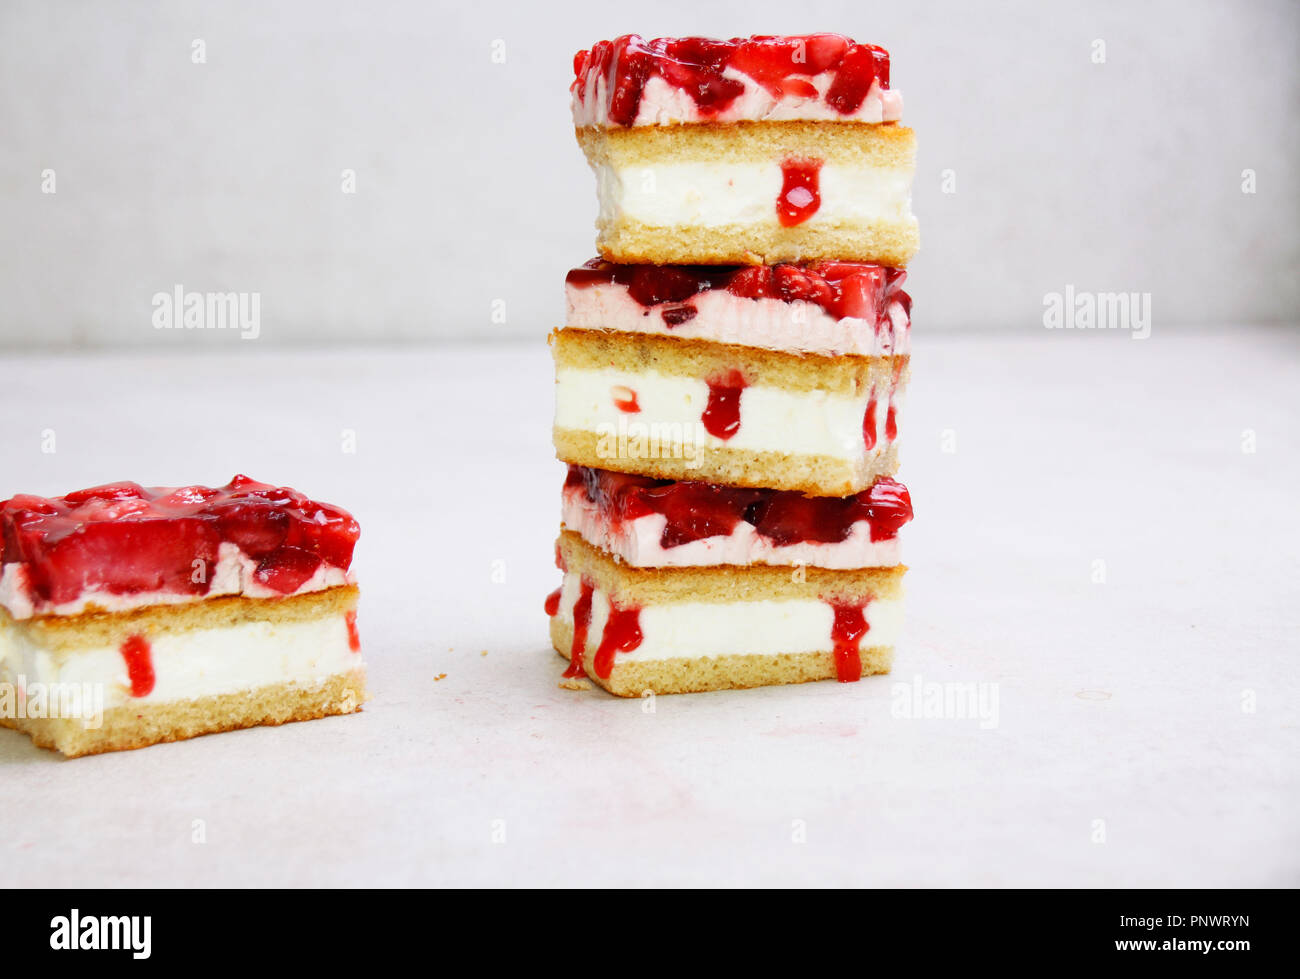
x=685 y=630
x=99 y=681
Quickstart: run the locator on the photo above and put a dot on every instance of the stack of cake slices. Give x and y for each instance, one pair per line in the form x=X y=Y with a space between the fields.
x=131 y=616
x=731 y=369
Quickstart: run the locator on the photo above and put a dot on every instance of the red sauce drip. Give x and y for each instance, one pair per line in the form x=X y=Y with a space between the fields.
x=625 y=400
x=139 y=665
x=891 y=424
x=722 y=414
x=581 y=623
x=354 y=637
x=622 y=635
x=553 y=602
x=846 y=633
x=697 y=510
x=800 y=196
x=869 y=424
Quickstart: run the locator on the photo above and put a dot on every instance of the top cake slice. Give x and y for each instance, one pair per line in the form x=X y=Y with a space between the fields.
x=748 y=151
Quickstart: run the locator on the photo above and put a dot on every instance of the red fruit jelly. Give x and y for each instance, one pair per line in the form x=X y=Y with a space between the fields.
x=125 y=539
x=842 y=289
x=696 y=510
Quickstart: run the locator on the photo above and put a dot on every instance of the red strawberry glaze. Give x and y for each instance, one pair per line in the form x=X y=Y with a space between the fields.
x=784 y=66
x=842 y=289
x=581 y=623
x=869 y=424
x=553 y=602
x=800 y=194
x=696 y=510
x=139 y=665
x=354 y=637
x=849 y=627
x=125 y=539
x=891 y=424
x=622 y=635
x=625 y=400
x=721 y=416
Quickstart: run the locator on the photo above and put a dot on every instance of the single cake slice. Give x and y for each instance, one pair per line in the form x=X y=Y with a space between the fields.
x=654 y=523
x=131 y=616
x=723 y=413
x=826 y=308
x=684 y=630
x=749 y=151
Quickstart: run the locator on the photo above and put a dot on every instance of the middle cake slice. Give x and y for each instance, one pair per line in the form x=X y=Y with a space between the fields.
x=785 y=377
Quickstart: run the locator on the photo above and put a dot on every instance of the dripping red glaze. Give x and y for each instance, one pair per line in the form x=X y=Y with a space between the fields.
x=581 y=623
x=622 y=635
x=625 y=400
x=354 y=637
x=139 y=665
x=800 y=195
x=721 y=416
x=869 y=424
x=849 y=627
x=553 y=602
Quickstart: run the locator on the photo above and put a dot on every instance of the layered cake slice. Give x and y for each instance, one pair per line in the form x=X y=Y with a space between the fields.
x=748 y=151
x=131 y=616
x=692 y=629
x=725 y=413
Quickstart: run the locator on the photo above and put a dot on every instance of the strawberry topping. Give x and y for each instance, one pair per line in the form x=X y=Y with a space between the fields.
x=125 y=539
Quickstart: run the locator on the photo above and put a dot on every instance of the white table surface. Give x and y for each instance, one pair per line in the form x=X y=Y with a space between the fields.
x=1124 y=701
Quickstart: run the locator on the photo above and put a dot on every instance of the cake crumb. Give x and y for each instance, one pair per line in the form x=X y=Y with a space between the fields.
x=575 y=683
x=440 y=676
x=484 y=653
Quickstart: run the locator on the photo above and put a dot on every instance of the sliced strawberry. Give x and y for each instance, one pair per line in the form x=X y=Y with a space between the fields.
x=795 y=284
x=853 y=80
x=797 y=88
x=823 y=51
x=768 y=60
x=755 y=282
x=287 y=569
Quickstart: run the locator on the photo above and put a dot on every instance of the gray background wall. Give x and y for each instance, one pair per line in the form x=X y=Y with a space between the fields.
x=227 y=175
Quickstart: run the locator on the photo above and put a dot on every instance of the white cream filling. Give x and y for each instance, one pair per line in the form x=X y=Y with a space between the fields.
x=187 y=665
x=694 y=630
x=699 y=194
x=796 y=327
x=663 y=104
x=233 y=575
x=772 y=419
x=636 y=542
